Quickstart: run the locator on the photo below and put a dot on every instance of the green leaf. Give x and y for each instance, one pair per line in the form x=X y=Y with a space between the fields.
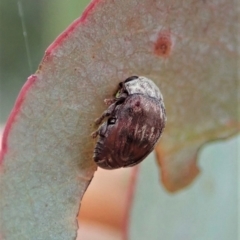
x=206 y=210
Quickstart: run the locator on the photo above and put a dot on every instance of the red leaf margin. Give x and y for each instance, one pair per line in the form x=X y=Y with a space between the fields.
x=29 y=83
x=20 y=99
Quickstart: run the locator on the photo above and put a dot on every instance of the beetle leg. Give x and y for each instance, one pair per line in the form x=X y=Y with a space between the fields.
x=101 y=131
x=118 y=100
x=106 y=113
x=94 y=134
x=121 y=98
x=111 y=108
x=109 y=101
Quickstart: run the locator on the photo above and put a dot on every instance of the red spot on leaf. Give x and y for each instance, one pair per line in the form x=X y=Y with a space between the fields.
x=163 y=45
x=14 y=113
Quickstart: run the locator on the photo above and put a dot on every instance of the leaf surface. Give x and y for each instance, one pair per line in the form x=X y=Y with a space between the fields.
x=46 y=158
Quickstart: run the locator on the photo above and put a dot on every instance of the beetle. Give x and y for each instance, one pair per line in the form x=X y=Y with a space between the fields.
x=135 y=121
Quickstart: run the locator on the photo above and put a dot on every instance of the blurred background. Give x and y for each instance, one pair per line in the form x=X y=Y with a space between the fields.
x=27 y=28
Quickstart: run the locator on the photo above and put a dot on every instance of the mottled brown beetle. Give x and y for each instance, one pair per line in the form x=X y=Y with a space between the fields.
x=136 y=119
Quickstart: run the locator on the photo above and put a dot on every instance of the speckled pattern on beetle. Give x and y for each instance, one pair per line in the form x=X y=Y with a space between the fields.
x=135 y=120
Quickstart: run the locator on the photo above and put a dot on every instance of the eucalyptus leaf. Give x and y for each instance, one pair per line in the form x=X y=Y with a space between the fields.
x=187 y=48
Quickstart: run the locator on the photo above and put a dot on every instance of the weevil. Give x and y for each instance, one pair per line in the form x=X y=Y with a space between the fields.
x=135 y=121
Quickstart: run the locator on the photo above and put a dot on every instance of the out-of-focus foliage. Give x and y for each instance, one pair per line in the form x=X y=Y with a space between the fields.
x=44 y=21
x=206 y=210
x=14 y=67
